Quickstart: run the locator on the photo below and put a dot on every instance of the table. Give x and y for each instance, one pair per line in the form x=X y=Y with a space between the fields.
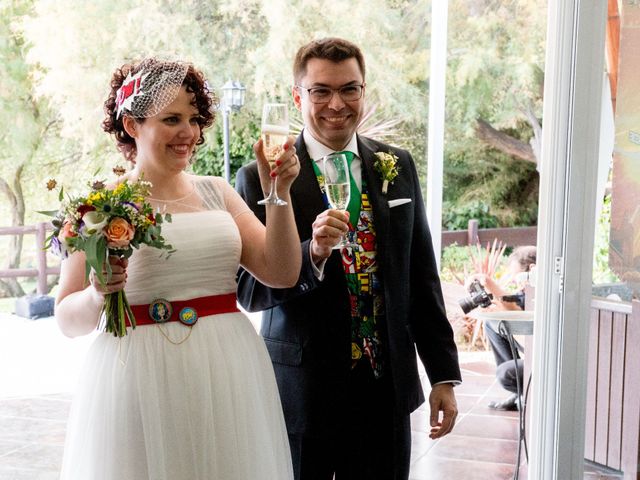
x=509 y=323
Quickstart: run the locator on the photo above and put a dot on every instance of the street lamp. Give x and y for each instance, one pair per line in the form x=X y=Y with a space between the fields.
x=232 y=99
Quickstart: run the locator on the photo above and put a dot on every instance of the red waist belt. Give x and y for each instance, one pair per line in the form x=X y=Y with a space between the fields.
x=185 y=311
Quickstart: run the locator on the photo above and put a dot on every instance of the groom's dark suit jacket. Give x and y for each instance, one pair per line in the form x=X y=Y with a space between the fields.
x=307 y=328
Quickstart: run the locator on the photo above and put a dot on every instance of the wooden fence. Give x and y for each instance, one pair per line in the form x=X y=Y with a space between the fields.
x=613 y=389
x=471 y=236
x=512 y=237
x=42 y=270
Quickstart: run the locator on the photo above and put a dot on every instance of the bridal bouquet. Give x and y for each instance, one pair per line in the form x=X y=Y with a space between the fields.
x=107 y=222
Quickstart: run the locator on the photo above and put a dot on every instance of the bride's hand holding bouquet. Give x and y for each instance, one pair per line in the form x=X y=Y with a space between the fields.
x=107 y=224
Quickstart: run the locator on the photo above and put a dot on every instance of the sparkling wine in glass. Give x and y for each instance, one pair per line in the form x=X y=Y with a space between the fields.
x=337 y=186
x=275 y=130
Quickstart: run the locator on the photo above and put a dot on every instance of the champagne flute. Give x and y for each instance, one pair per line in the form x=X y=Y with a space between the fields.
x=337 y=187
x=275 y=130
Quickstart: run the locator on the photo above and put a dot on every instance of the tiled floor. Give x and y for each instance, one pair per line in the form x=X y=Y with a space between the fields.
x=32 y=433
x=483 y=444
x=38 y=366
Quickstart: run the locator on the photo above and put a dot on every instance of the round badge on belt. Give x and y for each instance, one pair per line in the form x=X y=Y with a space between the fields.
x=160 y=310
x=188 y=316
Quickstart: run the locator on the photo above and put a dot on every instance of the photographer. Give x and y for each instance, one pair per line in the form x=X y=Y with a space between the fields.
x=520 y=263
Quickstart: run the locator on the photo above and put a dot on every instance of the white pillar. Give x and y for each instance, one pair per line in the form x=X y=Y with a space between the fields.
x=435 y=146
x=568 y=170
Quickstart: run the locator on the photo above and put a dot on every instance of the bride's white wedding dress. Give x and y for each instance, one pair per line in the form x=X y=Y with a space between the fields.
x=169 y=403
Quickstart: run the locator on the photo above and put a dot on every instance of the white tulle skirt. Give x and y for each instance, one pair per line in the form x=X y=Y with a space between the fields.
x=204 y=409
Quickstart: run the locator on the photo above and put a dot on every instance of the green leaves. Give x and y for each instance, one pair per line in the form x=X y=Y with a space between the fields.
x=210 y=157
x=48 y=213
x=95 y=249
x=457 y=218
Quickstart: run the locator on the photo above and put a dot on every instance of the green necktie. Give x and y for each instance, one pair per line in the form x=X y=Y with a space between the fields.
x=354 y=198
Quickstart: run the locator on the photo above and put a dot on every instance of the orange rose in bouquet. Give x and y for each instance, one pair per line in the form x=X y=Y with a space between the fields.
x=119 y=233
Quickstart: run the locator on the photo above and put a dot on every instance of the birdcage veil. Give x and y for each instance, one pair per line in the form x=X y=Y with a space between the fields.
x=153 y=86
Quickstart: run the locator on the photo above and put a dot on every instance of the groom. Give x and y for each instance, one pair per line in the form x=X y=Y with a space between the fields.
x=343 y=341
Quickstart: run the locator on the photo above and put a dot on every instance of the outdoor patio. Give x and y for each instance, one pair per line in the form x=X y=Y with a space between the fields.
x=39 y=368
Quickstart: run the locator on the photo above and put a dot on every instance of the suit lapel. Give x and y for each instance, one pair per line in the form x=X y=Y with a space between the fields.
x=379 y=203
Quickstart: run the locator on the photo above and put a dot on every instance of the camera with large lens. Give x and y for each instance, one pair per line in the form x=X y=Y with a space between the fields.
x=478 y=298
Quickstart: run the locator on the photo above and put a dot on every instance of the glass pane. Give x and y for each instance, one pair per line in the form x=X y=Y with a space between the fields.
x=613 y=388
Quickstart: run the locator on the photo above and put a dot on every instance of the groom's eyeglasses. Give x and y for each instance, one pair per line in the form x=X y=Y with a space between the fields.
x=348 y=93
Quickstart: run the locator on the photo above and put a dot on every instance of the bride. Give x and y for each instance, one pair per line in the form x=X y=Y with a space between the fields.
x=173 y=401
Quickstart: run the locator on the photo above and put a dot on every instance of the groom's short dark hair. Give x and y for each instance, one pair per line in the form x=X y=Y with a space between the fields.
x=333 y=49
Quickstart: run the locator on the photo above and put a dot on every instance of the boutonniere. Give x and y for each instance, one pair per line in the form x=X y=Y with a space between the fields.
x=387 y=165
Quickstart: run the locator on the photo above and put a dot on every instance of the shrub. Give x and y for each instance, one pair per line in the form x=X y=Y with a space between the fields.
x=456 y=217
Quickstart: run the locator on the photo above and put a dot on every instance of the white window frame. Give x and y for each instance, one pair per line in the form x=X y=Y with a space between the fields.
x=568 y=170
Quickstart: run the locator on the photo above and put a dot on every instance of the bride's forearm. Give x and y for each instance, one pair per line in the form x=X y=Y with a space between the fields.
x=282 y=255
x=78 y=313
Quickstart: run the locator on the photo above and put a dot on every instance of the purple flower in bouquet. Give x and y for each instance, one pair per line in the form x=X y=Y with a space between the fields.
x=57 y=248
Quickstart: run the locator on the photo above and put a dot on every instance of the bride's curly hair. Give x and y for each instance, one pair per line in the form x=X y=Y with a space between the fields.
x=204 y=100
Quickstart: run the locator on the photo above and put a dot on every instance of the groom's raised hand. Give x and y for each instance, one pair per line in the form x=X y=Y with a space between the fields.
x=328 y=229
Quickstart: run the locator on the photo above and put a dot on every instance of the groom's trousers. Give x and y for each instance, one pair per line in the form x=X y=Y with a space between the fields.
x=371 y=441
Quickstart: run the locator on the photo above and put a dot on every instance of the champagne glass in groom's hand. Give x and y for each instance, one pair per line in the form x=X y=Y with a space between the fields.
x=338 y=187
x=275 y=129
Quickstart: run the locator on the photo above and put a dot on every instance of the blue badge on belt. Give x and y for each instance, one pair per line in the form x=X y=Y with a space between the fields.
x=188 y=316
x=160 y=310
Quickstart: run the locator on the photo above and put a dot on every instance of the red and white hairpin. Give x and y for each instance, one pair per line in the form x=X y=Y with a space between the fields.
x=131 y=89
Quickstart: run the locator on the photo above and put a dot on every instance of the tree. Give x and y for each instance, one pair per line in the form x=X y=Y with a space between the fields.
x=30 y=124
x=253 y=41
x=494 y=104
x=499 y=51
x=55 y=79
